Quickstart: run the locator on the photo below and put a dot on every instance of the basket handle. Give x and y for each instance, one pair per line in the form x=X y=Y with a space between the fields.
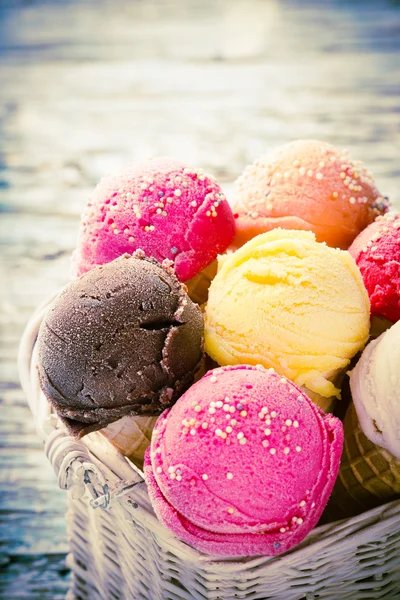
x=70 y=458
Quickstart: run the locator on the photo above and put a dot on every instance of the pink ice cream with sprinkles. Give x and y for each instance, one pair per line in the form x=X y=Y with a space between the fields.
x=243 y=464
x=162 y=207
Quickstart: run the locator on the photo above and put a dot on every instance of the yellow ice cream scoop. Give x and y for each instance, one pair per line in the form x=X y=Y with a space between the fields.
x=288 y=302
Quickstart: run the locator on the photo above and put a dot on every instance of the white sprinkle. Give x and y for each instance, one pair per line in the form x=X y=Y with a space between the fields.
x=177 y=192
x=179 y=477
x=319 y=176
x=298 y=448
x=282 y=530
x=204 y=476
x=197 y=408
x=229 y=429
x=219 y=404
x=265 y=443
x=211 y=410
x=218 y=432
x=171 y=469
x=286 y=450
x=309 y=172
x=273 y=414
x=172 y=476
x=231 y=511
x=302 y=503
x=299 y=521
x=159 y=470
x=267 y=432
x=295 y=424
x=229 y=476
x=240 y=435
x=272 y=451
x=288 y=422
x=233 y=422
x=302 y=170
x=192 y=432
x=204 y=426
x=264 y=410
x=232 y=409
x=242 y=441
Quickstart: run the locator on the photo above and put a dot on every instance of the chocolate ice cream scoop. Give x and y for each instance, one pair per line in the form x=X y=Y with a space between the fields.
x=122 y=339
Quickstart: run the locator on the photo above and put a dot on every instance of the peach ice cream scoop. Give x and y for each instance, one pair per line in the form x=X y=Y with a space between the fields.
x=306 y=184
x=162 y=207
x=243 y=464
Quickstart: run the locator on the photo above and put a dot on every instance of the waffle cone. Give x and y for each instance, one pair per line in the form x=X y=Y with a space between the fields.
x=131 y=435
x=378 y=326
x=368 y=477
x=327 y=404
x=199 y=284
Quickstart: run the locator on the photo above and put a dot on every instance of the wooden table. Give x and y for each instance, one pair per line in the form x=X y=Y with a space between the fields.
x=87 y=86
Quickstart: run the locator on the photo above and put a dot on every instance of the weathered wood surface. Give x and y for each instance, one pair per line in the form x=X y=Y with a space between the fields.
x=85 y=87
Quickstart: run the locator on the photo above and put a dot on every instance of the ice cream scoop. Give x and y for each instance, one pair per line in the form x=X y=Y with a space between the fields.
x=243 y=464
x=306 y=184
x=123 y=339
x=377 y=254
x=375 y=389
x=161 y=206
x=291 y=303
x=369 y=473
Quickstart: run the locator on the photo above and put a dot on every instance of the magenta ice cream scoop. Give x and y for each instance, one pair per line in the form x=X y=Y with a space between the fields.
x=243 y=464
x=162 y=207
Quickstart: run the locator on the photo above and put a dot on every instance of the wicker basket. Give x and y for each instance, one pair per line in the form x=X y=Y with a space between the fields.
x=121 y=552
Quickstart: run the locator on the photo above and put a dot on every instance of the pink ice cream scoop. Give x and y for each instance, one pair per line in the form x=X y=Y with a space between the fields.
x=164 y=208
x=376 y=251
x=243 y=464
